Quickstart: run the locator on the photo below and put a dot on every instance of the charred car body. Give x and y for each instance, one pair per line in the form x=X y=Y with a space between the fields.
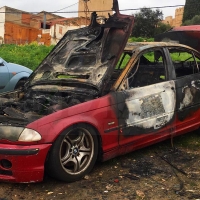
x=94 y=97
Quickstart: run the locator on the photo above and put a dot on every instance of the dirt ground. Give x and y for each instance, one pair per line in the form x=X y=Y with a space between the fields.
x=156 y=172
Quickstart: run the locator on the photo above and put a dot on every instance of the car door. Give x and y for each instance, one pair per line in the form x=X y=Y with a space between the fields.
x=4 y=75
x=146 y=100
x=186 y=66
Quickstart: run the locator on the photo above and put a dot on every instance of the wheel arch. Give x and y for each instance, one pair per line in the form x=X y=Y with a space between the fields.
x=53 y=166
x=15 y=79
x=99 y=139
x=20 y=80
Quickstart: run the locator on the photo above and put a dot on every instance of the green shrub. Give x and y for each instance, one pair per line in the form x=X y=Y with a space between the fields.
x=28 y=55
x=31 y=55
x=140 y=39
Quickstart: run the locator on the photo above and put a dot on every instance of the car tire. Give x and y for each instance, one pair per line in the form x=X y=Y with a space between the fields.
x=20 y=83
x=73 y=154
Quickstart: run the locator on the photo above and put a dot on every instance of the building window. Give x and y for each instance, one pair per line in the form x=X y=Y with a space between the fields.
x=47 y=26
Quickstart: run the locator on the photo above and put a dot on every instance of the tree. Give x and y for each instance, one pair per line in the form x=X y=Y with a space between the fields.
x=146 y=22
x=192 y=8
x=161 y=28
x=194 y=21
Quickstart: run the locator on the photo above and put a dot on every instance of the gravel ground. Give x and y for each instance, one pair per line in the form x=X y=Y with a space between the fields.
x=156 y=172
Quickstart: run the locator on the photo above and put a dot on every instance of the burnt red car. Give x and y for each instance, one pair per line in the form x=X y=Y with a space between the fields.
x=93 y=97
x=188 y=35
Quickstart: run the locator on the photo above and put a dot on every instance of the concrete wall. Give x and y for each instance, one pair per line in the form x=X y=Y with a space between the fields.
x=94 y=5
x=2 y=18
x=57 y=31
x=35 y=23
x=13 y=15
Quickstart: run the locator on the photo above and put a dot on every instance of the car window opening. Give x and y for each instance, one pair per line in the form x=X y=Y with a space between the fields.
x=123 y=61
x=184 y=61
x=149 y=69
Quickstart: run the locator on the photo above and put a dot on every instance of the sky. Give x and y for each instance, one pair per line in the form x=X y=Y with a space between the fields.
x=52 y=5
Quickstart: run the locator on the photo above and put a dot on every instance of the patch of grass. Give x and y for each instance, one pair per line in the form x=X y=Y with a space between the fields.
x=66 y=76
x=140 y=39
x=189 y=140
x=29 y=55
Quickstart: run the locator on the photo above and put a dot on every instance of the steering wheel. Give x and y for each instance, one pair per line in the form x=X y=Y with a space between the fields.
x=187 y=59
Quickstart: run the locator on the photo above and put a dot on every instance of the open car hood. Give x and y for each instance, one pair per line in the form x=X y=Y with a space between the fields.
x=77 y=70
x=87 y=55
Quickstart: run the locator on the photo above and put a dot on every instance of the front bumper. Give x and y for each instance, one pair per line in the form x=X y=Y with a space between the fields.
x=22 y=164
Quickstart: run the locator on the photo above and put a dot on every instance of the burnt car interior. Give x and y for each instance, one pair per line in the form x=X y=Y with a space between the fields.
x=148 y=69
x=185 y=62
x=119 y=67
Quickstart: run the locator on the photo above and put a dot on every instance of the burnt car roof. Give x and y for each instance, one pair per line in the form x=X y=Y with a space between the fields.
x=144 y=45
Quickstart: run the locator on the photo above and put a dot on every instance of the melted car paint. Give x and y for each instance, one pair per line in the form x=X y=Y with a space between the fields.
x=152 y=106
x=188 y=98
x=189 y=94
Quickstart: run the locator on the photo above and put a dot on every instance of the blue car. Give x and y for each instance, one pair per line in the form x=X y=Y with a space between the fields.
x=12 y=76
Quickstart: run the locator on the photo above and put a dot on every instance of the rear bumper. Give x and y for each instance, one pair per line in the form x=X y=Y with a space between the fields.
x=22 y=164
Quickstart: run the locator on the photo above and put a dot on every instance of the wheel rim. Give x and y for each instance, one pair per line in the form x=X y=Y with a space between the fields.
x=76 y=151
